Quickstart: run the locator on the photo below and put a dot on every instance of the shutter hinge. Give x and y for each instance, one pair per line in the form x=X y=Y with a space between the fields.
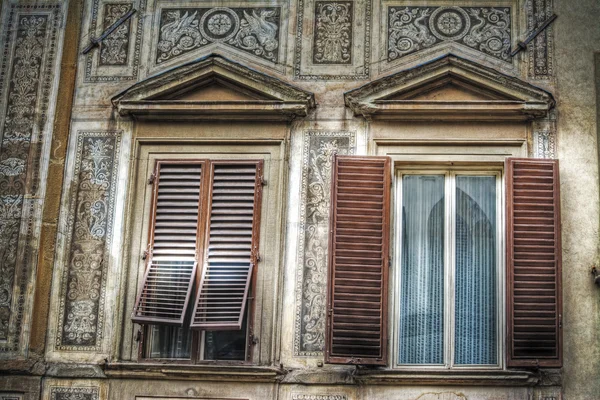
x=263 y=181
x=138 y=335
x=152 y=178
x=253 y=339
x=559 y=321
x=146 y=253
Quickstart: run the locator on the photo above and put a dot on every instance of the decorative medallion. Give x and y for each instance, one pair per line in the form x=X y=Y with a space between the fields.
x=252 y=30
x=333 y=33
x=311 y=279
x=27 y=71
x=92 y=202
x=485 y=29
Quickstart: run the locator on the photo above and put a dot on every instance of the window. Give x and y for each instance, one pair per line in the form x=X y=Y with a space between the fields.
x=448 y=267
x=196 y=294
x=451 y=270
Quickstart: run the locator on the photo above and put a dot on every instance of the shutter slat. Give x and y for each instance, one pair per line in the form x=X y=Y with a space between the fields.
x=232 y=244
x=358 y=261
x=534 y=303
x=171 y=267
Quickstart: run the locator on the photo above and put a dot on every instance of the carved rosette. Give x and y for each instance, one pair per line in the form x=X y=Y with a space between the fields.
x=29 y=41
x=91 y=213
x=311 y=282
x=252 y=30
x=485 y=29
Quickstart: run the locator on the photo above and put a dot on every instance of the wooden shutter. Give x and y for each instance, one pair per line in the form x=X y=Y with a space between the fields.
x=231 y=245
x=172 y=256
x=534 y=304
x=358 y=261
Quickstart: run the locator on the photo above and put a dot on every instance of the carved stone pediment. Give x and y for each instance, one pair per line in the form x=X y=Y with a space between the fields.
x=213 y=88
x=449 y=88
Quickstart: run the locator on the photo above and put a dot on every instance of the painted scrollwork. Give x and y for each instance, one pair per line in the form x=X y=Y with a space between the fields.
x=114 y=48
x=251 y=30
x=84 y=285
x=333 y=33
x=312 y=283
x=416 y=28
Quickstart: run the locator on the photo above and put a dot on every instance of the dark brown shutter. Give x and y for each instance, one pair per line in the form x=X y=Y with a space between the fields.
x=172 y=256
x=232 y=245
x=534 y=304
x=358 y=261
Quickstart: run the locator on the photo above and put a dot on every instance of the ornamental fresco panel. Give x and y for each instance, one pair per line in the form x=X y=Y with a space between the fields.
x=541 y=50
x=114 y=49
x=29 y=56
x=92 y=201
x=311 y=280
x=485 y=29
x=333 y=33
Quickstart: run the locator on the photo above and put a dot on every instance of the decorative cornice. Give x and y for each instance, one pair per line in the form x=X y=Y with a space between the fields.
x=156 y=96
x=513 y=99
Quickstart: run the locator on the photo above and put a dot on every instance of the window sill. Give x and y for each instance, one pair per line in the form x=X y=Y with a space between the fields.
x=166 y=371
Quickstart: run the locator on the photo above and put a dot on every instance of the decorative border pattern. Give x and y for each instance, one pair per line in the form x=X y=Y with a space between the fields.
x=92 y=201
x=26 y=75
x=311 y=277
x=296 y=396
x=544 y=144
x=366 y=62
x=541 y=49
x=11 y=396
x=91 y=70
x=74 y=393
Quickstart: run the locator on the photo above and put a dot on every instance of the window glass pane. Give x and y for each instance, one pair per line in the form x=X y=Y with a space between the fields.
x=226 y=345
x=475 y=287
x=169 y=342
x=422 y=270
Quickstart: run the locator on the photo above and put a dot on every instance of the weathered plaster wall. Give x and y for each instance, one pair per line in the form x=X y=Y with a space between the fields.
x=577 y=38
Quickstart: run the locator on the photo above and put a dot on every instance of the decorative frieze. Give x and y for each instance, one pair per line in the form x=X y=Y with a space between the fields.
x=330 y=44
x=74 y=393
x=29 y=41
x=485 y=29
x=118 y=56
x=319 y=397
x=91 y=202
x=333 y=33
x=253 y=30
x=114 y=48
x=311 y=279
x=541 y=50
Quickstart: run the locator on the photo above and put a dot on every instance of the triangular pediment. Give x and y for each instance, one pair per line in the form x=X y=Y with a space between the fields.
x=449 y=88
x=213 y=88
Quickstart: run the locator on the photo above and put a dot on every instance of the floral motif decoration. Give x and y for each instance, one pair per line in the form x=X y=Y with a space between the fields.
x=19 y=123
x=74 y=393
x=114 y=48
x=411 y=29
x=544 y=144
x=252 y=30
x=333 y=33
x=312 y=279
x=82 y=300
x=319 y=397
x=540 y=50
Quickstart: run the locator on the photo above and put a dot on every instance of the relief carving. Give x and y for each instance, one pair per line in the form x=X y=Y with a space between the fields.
x=29 y=41
x=486 y=29
x=253 y=30
x=333 y=33
x=540 y=50
x=114 y=48
x=92 y=209
x=74 y=393
x=311 y=283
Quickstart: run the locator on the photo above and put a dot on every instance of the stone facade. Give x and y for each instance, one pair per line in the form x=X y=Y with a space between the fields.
x=291 y=82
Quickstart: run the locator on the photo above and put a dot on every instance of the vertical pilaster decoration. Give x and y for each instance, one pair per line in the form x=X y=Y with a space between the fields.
x=90 y=226
x=74 y=393
x=118 y=56
x=544 y=137
x=541 y=50
x=311 y=279
x=27 y=62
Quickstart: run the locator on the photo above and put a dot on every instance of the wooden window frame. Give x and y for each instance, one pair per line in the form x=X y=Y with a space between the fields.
x=450 y=174
x=197 y=339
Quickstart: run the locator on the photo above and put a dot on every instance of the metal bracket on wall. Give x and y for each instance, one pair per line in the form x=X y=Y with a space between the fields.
x=96 y=41
x=523 y=45
x=596 y=274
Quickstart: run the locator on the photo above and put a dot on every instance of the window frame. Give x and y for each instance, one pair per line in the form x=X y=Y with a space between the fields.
x=449 y=171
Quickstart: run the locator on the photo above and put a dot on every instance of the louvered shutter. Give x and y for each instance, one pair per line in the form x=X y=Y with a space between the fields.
x=534 y=304
x=232 y=245
x=358 y=261
x=172 y=257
